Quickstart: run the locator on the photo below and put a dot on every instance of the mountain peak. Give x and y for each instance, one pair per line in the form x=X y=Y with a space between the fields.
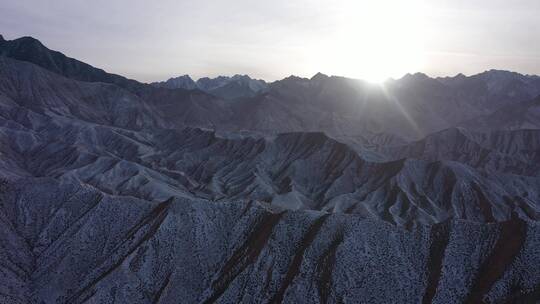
x=415 y=77
x=293 y=78
x=2 y=38
x=319 y=77
x=32 y=50
x=227 y=87
x=186 y=77
x=30 y=40
x=500 y=74
x=240 y=77
x=183 y=82
x=420 y=75
x=499 y=71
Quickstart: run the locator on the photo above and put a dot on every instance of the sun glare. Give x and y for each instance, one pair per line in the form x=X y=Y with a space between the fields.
x=375 y=40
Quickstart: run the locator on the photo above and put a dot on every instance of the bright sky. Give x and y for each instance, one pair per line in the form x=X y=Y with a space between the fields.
x=372 y=40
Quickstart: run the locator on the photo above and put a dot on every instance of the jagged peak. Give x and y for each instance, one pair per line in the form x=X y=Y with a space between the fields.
x=457 y=76
x=319 y=76
x=293 y=78
x=415 y=76
x=182 y=77
x=499 y=73
x=234 y=77
x=220 y=77
x=240 y=76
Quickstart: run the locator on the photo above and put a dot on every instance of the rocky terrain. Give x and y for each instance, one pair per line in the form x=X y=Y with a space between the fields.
x=320 y=190
x=237 y=86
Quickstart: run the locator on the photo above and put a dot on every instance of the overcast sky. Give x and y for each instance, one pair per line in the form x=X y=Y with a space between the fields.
x=155 y=40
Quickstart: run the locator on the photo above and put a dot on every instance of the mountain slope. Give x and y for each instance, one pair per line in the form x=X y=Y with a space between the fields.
x=240 y=252
x=411 y=107
x=120 y=145
x=522 y=115
x=499 y=151
x=32 y=50
x=321 y=190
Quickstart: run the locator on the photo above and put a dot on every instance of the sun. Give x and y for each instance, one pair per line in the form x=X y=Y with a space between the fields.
x=371 y=75
x=375 y=40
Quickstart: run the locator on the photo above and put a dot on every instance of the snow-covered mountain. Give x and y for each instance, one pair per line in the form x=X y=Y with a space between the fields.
x=180 y=82
x=237 y=86
x=320 y=190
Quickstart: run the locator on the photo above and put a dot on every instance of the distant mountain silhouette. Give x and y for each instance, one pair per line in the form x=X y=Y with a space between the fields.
x=237 y=86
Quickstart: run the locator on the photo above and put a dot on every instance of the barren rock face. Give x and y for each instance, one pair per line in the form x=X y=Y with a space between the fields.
x=71 y=243
x=112 y=191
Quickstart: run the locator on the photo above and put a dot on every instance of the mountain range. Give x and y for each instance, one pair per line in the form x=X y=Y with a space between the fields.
x=237 y=86
x=234 y=190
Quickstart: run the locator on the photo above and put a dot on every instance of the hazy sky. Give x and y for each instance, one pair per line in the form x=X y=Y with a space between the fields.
x=154 y=40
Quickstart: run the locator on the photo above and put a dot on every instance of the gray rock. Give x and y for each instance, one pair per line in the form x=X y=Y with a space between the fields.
x=321 y=190
x=70 y=243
